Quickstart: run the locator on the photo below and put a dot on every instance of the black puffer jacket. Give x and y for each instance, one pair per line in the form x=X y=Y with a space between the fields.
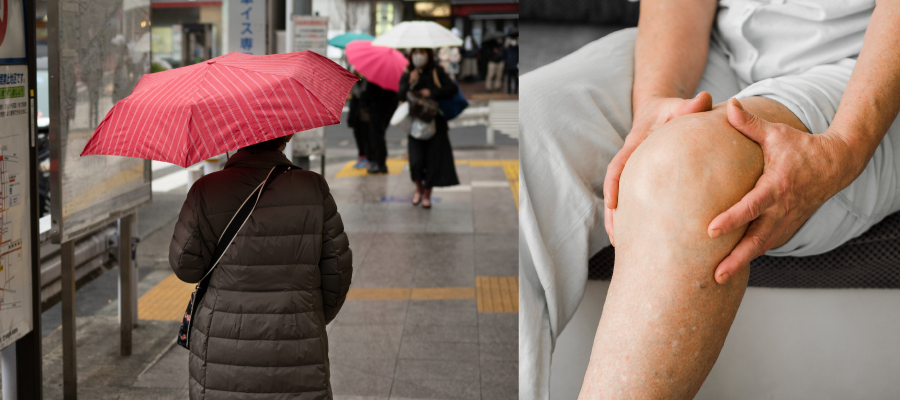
x=259 y=331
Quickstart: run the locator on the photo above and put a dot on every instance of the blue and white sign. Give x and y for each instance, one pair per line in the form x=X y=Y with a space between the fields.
x=12 y=32
x=246 y=26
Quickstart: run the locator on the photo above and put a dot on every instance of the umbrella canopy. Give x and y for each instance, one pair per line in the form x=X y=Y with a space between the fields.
x=341 y=41
x=188 y=114
x=382 y=66
x=418 y=34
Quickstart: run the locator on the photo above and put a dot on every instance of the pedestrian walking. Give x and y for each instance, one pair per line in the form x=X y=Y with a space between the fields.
x=511 y=64
x=469 y=67
x=494 y=80
x=358 y=121
x=260 y=328
x=255 y=327
x=381 y=68
x=379 y=105
x=430 y=161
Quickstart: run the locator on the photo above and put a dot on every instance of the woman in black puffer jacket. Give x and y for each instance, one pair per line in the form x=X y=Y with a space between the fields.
x=259 y=332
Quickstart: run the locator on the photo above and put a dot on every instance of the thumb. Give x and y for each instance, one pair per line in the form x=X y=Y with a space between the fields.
x=700 y=103
x=746 y=123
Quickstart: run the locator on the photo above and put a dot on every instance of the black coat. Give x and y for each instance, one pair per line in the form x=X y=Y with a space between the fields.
x=431 y=161
x=511 y=58
x=379 y=103
x=259 y=332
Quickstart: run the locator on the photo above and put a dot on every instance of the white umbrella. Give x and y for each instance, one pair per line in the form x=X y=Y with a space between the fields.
x=418 y=34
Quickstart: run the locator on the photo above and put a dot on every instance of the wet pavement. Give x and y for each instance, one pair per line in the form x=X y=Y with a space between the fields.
x=432 y=311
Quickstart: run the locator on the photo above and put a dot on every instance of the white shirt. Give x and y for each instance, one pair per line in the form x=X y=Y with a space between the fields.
x=765 y=39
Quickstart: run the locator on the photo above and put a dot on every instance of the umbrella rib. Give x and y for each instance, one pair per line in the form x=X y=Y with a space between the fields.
x=331 y=80
x=153 y=95
x=241 y=108
x=272 y=128
x=246 y=142
x=218 y=128
x=281 y=103
x=293 y=107
x=198 y=131
x=271 y=106
x=193 y=97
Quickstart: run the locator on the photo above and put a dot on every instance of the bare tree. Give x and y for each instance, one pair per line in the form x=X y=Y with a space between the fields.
x=350 y=10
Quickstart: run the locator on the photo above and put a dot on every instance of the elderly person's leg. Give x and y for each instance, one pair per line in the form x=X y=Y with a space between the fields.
x=665 y=318
x=574 y=115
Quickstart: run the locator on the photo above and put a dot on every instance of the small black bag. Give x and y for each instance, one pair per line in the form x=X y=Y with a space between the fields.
x=231 y=230
x=422 y=108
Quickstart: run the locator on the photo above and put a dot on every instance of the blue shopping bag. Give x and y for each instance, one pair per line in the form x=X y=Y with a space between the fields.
x=452 y=107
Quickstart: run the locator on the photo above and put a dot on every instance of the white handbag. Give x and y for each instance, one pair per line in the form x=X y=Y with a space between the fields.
x=422 y=130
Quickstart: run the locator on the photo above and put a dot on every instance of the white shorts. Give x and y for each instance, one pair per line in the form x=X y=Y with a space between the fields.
x=574 y=116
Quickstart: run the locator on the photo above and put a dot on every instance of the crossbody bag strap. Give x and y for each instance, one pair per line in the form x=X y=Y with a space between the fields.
x=240 y=218
x=437 y=81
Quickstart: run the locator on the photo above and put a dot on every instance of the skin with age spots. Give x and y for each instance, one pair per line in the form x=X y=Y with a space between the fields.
x=665 y=318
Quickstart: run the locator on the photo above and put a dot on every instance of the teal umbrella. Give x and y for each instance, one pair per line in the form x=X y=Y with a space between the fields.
x=341 y=41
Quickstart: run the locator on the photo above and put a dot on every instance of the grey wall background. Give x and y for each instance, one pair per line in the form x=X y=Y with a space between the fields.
x=551 y=29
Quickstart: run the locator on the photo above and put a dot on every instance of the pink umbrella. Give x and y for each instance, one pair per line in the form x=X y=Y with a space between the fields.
x=382 y=66
x=188 y=114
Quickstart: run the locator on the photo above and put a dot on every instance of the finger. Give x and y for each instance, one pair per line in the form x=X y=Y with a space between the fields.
x=756 y=241
x=745 y=122
x=608 y=222
x=613 y=173
x=700 y=103
x=746 y=210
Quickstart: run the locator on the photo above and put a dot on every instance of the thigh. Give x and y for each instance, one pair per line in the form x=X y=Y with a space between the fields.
x=813 y=96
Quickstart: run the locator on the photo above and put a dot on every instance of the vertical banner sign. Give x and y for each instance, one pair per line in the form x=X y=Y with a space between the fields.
x=310 y=33
x=15 y=202
x=247 y=26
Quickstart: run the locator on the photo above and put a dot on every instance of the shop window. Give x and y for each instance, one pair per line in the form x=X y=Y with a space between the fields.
x=433 y=9
x=384 y=17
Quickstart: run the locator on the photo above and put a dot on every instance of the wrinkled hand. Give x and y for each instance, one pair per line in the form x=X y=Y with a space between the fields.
x=648 y=116
x=425 y=93
x=801 y=171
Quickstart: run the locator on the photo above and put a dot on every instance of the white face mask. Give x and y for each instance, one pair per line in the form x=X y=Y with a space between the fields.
x=513 y=43
x=419 y=60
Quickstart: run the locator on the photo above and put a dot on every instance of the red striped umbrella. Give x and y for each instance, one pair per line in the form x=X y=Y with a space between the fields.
x=188 y=114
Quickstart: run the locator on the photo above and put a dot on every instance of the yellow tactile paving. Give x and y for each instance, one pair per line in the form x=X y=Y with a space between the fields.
x=450 y=293
x=497 y=293
x=395 y=166
x=166 y=301
x=511 y=169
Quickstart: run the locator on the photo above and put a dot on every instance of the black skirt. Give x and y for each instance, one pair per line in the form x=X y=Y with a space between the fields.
x=431 y=161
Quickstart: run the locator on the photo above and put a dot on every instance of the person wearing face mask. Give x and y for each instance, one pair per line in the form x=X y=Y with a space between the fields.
x=430 y=161
x=511 y=62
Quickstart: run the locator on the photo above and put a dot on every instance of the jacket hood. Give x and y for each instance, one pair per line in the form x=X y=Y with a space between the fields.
x=263 y=159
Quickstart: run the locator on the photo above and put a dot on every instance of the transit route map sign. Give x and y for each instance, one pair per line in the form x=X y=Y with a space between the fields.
x=15 y=229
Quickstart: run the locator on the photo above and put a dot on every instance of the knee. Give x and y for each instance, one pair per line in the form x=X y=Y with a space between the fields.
x=685 y=174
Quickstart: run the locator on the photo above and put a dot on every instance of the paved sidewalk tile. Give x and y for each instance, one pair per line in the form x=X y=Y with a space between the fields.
x=431 y=312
